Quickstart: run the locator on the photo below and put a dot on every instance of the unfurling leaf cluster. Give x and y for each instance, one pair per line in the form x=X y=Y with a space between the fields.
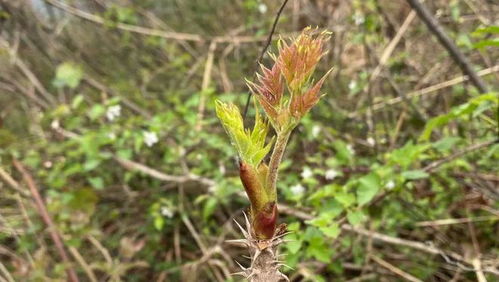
x=250 y=145
x=286 y=92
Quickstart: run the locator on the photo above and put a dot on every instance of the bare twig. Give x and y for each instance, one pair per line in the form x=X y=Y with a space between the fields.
x=102 y=250
x=377 y=236
x=79 y=258
x=449 y=256
x=6 y=273
x=451 y=48
x=205 y=84
x=425 y=91
x=12 y=183
x=54 y=234
x=131 y=165
x=449 y=221
x=134 y=166
x=434 y=165
x=132 y=28
x=391 y=46
x=27 y=71
x=151 y=31
x=479 y=272
x=100 y=86
x=194 y=234
x=395 y=269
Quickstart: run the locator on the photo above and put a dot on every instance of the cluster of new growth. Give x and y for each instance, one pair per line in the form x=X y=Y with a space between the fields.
x=286 y=92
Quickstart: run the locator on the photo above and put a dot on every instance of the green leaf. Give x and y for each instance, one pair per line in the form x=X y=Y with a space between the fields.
x=355 y=217
x=333 y=230
x=414 y=174
x=346 y=199
x=445 y=144
x=249 y=144
x=408 y=154
x=84 y=199
x=487 y=29
x=464 y=40
x=91 y=164
x=486 y=43
x=76 y=101
x=96 y=112
x=295 y=226
x=96 y=182
x=343 y=154
x=319 y=250
x=68 y=74
x=294 y=245
x=159 y=221
x=457 y=112
x=125 y=154
x=209 y=207
x=369 y=186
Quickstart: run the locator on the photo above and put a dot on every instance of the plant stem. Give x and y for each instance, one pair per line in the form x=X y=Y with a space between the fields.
x=275 y=160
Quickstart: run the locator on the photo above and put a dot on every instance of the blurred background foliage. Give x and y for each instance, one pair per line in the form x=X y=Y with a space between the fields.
x=110 y=104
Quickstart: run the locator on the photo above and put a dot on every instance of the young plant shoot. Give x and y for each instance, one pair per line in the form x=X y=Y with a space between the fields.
x=286 y=92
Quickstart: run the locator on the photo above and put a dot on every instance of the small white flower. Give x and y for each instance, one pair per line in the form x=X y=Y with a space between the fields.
x=331 y=174
x=351 y=149
x=390 y=185
x=221 y=167
x=316 y=130
x=358 y=19
x=262 y=8
x=298 y=189
x=307 y=173
x=352 y=85
x=47 y=164
x=370 y=141
x=213 y=189
x=55 y=124
x=111 y=135
x=113 y=112
x=150 y=138
x=165 y=211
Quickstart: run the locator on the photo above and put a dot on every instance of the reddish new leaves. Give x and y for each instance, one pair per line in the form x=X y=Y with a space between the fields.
x=298 y=61
x=294 y=66
x=291 y=73
x=301 y=104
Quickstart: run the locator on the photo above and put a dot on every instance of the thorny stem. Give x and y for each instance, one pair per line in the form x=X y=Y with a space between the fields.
x=275 y=160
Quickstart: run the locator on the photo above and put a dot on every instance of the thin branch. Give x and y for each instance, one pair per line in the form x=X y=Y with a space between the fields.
x=54 y=234
x=427 y=248
x=151 y=31
x=264 y=49
x=434 y=165
x=425 y=91
x=131 y=165
x=450 y=221
x=6 y=273
x=127 y=27
x=12 y=183
x=205 y=84
x=79 y=258
x=26 y=71
x=448 y=44
x=395 y=269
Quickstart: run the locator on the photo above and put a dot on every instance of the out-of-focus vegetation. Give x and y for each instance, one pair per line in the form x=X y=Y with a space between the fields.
x=110 y=104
